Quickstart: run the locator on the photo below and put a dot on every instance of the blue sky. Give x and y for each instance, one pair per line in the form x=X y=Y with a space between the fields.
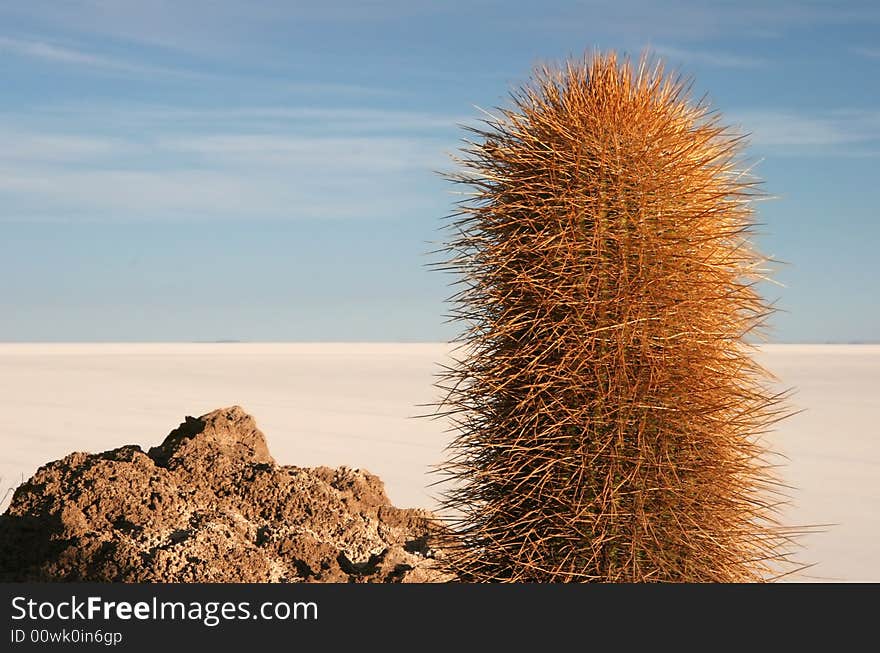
x=195 y=170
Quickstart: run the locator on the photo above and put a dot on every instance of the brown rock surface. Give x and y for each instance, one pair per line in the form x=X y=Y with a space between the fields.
x=209 y=505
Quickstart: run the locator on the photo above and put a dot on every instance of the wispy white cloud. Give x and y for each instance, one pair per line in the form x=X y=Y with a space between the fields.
x=43 y=50
x=160 y=162
x=870 y=53
x=328 y=118
x=320 y=119
x=709 y=57
x=66 y=55
x=212 y=27
x=293 y=191
x=786 y=128
x=228 y=25
x=332 y=88
x=261 y=162
x=364 y=153
x=696 y=20
x=22 y=145
x=53 y=53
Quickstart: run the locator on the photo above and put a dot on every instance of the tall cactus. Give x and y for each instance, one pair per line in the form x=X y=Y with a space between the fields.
x=607 y=407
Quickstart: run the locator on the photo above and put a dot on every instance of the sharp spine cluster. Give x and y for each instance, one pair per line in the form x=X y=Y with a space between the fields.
x=607 y=406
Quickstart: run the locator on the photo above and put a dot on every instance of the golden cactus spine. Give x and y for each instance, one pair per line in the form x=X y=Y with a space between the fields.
x=607 y=406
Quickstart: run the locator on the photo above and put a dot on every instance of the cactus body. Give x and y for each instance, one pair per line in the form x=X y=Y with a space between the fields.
x=607 y=406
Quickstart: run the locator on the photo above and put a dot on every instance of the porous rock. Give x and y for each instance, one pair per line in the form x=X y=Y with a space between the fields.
x=210 y=505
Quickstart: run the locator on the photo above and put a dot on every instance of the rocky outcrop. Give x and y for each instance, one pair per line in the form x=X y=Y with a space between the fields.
x=210 y=505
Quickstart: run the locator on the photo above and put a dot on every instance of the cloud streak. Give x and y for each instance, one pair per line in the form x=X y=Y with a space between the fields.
x=48 y=147
x=829 y=130
x=268 y=162
x=243 y=163
x=710 y=57
x=217 y=26
x=65 y=55
x=214 y=27
x=869 y=53
x=319 y=119
x=294 y=192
